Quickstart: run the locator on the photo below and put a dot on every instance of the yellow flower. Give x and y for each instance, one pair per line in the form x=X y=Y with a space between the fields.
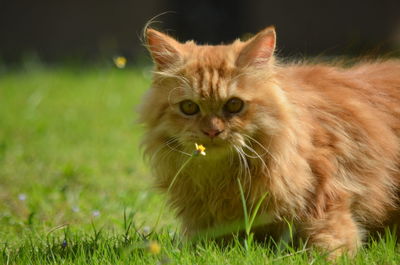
x=120 y=61
x=154 y=247
x=200 y=149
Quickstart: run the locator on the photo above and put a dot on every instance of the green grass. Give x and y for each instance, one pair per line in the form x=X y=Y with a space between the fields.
x=74 y=189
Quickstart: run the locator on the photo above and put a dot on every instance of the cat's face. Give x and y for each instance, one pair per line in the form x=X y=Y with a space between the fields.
x=207 y=107
x=211 y=94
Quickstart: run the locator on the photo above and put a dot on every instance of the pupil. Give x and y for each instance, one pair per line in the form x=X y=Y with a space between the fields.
x=234 y=105
x=188 y=107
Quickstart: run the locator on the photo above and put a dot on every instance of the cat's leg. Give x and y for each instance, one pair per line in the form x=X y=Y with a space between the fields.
x=334 y=231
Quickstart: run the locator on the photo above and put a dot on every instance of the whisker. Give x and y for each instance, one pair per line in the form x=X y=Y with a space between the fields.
x=259 y=157
x=262 y=161
x=172 y=90
x=163 y=145
x=262 y=147
x=256 y=154
x=172 y=146
x=166 y=74
x=249 y=156
x=231 y=160
x=177 y=150
x=246 y=169
x=166 y=153
x=241 y=170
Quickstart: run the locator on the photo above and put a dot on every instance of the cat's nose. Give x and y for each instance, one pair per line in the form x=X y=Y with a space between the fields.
x=212 y=132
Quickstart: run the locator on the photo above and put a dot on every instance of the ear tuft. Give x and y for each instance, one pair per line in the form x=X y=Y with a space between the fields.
x=164 y=49
x=259 y=49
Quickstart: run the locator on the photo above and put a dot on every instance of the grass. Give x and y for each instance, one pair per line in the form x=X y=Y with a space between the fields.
x=74 y=189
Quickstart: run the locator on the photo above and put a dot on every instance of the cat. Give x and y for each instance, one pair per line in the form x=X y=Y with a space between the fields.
x=322 y=141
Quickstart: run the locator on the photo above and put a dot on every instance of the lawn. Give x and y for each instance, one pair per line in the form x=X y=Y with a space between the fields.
x=75 y=190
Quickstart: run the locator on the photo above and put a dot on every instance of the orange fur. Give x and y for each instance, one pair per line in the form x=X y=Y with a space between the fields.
x=323 y=141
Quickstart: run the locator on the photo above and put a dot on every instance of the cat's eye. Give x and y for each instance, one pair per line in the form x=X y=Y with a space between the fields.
x=188 y=107
x=234 y=105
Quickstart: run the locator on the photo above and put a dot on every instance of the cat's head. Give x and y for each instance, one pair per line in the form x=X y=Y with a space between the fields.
x=219 y=96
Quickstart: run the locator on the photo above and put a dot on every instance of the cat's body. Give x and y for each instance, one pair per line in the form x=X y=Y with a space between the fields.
x=322 y=141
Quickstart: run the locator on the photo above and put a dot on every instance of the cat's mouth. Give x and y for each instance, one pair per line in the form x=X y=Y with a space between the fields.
x=212 y=145
x=216 y=144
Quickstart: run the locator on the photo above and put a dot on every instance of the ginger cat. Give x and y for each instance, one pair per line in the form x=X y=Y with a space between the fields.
x=323 y=141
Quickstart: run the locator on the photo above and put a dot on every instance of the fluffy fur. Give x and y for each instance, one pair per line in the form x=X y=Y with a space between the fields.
x=323 y=141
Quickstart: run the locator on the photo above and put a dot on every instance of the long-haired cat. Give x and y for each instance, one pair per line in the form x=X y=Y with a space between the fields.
x=322 y=141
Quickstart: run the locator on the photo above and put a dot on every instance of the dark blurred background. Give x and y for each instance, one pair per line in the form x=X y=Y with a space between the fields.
x=89 y=30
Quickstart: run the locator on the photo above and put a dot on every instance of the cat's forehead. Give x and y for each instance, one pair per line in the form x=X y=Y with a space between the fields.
x=213 y=56
x=208 y=72
x=207 y=68
x=209 y=80
x=210 y=66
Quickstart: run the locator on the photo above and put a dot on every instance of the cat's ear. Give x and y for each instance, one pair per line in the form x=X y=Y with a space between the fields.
x=164 y=50
x=259 y=49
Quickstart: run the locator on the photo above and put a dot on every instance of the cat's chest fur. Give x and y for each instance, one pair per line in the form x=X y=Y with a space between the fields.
x=206 y=192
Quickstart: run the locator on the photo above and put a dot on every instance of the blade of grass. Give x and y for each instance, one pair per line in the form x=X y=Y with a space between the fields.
x=246 y=216
x=255 y=211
